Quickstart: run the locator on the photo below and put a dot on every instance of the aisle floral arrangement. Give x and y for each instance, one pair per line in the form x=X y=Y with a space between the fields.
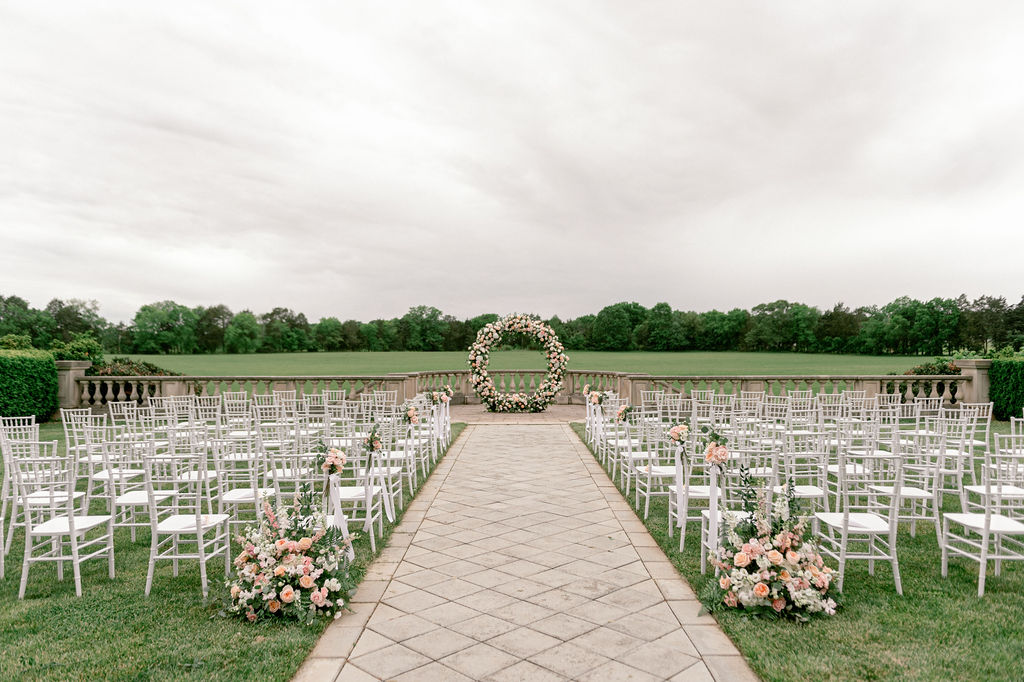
x=765 y=566
x=479 y=357
x=623 y=413
x=442 y=396
x=292 y=565
x=409 y=413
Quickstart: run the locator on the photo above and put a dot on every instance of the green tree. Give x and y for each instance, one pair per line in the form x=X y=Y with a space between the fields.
x=660 y=331
x=165 y=327
x=76 y=316
x=211 y=325
x=612 y=329
x=242 y=334
x=284 y=331
x=17 y=317
x=329 y=334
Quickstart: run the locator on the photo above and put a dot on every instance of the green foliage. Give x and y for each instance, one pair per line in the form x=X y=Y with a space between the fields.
x=242 y=334
x=1006 y=388
x=127 y=367
x=165 y=327
x=28 y=384
x=937 y=366
x=16 y=342
x=81 y=347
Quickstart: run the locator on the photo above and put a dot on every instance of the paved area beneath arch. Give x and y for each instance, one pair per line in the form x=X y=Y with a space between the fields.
x=519 y=560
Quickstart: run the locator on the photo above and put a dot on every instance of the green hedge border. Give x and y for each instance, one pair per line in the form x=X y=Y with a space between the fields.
x=1006 y=388
x=28 y=384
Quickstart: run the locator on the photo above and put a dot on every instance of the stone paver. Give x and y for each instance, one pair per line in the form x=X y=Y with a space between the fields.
x=520 y=561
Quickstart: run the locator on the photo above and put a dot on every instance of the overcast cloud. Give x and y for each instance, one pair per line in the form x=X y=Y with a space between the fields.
x=354 y=159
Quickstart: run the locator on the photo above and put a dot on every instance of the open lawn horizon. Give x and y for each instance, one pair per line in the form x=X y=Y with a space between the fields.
x=683 y=363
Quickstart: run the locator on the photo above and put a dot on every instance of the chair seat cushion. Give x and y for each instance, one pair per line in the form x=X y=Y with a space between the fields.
x=245 y=494
x=356 y=493
x=1003 y=491
x=906 y=492
x=60 y=526
x=45 y=499
x=138 y=498
x=860 y=522
x=186 y=523
x=119 y=473
x=998 y=523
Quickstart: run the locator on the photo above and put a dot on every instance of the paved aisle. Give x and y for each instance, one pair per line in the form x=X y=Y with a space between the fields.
x=519 y=560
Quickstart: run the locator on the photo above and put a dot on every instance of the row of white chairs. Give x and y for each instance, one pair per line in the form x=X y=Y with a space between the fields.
x=190 y=475
x=862 y=474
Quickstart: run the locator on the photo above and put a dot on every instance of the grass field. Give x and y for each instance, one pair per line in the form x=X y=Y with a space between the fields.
x=938 y=630
x=284 y=364
x=114 y=632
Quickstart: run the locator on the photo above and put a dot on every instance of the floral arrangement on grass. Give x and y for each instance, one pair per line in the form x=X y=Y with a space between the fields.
x=624 y=412
x=765 y=566
x=292 y=565
x=479 y=357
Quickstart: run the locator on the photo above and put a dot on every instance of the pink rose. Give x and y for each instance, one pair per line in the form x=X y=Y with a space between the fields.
x=774 y=556
x=724 y=582
x=741 y=559
x=761 y=590
x=779 y=604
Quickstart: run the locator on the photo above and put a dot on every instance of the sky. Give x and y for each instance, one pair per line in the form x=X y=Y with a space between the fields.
x=356 y=159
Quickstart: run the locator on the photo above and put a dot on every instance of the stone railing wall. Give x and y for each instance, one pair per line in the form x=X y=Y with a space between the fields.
x=92 y=391
x=79 y=390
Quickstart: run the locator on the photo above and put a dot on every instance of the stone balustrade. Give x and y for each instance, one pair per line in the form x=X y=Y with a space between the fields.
x=80 y=390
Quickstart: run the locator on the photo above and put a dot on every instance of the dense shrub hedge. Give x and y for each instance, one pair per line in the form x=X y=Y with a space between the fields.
x=28 y=384
x=1006 y=388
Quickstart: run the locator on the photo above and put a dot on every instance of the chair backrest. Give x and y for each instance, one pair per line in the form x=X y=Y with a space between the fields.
x=334 y=395
x=851 y=394
x=176 y=483
x=797 y=394
x=46 y=475
x=237 y=464
x=1005 y=465
x=702 y=394
x=234 y=395
x=6 y=422
x=1016 y=426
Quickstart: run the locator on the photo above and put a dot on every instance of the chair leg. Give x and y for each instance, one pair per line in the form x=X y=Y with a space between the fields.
x=982 y=566
x=152 y=563
x=75 y=565
x=943 y=545
x=24 y=566
x=110 y=548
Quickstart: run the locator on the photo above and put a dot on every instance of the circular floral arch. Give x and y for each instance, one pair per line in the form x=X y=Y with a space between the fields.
x=480 y=355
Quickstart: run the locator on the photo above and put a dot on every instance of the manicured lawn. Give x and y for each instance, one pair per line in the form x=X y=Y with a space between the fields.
x=113 y=632
x=938 y=629
x=283 y=364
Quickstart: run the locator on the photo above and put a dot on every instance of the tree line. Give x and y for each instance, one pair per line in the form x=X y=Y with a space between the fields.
x=904 y=326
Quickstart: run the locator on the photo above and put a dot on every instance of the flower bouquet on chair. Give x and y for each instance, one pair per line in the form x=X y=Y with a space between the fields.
x=765 y=566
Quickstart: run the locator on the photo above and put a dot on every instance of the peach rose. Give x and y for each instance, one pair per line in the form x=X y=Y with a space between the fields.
x=306 y=582
x=273 y=606
x=784 y=576
x=305 y=544
x=774 y=556
x=279 y=571
x=761 y=590
x=724 y=582
x=741 y=559
x=281 y=544
x=792 y=557
x=288 y=594
x=779 y=604
x=235 y=591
